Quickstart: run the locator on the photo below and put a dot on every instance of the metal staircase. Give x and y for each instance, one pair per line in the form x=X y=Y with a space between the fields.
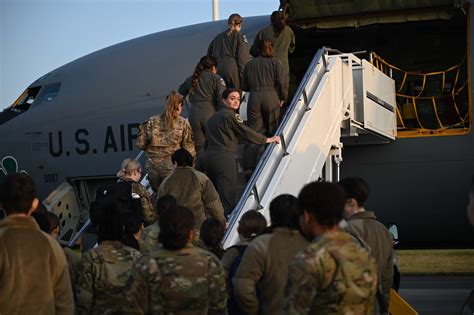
x=340 y=97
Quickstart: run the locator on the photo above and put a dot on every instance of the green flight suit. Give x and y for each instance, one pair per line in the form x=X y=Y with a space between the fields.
x=224 y=129
x=193 y=190
x=232 y=53
x=264 y=79
x=205 y=100
x=283 y=44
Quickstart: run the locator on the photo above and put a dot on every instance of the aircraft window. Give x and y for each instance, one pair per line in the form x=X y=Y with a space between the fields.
x=26 y=98
x=21 y=105
x=48 y=93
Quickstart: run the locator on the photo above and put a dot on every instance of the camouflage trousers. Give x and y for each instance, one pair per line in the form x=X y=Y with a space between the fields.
x=157 y=173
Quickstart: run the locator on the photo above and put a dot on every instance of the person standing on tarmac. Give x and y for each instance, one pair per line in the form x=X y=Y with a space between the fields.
x=230 y=48
x=205 y=88
x=177 y=278
x=130 y=173
x=193 y=190
x=283 y=40
x=224 y=129
x=264 y=79
x=333 y=275
x=161 y=136
x=364 y=224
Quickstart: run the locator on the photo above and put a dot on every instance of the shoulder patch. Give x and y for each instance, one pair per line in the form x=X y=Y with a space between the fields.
x=245 y=38
x=239 y=119
x=222 y=82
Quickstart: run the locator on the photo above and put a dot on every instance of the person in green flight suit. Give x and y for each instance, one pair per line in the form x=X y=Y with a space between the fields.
x=283 y=40
x=224 y=129
x=264 y=79
x=230 y=48
x=205 y=88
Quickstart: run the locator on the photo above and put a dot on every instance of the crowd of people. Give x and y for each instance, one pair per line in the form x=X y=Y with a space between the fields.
x=305 y=262
x=164 y=254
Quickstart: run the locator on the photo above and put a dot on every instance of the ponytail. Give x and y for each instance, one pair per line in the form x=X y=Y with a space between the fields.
x=233 y=20
x=171 y=113
x=206 y=63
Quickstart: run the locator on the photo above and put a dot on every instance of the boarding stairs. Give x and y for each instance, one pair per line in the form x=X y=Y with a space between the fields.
x=341 y=100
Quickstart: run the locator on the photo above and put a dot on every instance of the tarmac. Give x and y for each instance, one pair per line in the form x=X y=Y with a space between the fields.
x=436 y=295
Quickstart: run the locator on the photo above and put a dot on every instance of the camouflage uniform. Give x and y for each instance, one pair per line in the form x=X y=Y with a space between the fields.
x=148 y=210
x=185 y=281
x=72 y=259
x=101 y=276
x=333 y=275
x=205 y=100
x=160 y=143
x=150 y=234
x=232 y=53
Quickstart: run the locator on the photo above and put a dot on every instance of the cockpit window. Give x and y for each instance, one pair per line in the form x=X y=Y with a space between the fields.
x=26 y=98
x=47 y=93
x=31 y=96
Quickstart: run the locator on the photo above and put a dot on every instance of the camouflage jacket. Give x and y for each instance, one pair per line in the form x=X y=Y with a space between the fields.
x=333 y=275
x=150 y=234
x=160 y=142
x=149 y=239
x=148 y=210
x=101 y=276
x=185 y=281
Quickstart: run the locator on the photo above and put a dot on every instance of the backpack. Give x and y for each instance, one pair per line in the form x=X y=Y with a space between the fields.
x=232 y=306
x=120 y=191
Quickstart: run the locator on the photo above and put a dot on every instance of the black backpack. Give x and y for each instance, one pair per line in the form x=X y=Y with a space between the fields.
x=120 y=191
x=232 y=306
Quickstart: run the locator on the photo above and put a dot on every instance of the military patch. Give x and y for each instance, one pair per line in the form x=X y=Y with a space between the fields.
x=222 y=82
x=239 y=119
x=245 y=38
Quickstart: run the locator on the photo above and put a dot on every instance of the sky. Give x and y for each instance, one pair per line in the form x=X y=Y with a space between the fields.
x=37 y=36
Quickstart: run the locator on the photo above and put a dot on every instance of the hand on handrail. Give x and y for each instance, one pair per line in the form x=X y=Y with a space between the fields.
x=273 y=139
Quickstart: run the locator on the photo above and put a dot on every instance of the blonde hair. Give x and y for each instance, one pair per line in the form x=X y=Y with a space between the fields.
x=128 y=167
x=171 y=113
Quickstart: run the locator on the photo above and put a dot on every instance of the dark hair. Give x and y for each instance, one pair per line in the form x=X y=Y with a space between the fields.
x=18 y=193
x=265 y=48
x=278 y=22
x=53 y=221
x=226 y=93
x=205 y=63
x=164 y=203
x=211 y=233
x=251 y=224
x=182 y=157
x=175 y=225
x=357 y=188
x=284 y=212
x=42 y=220
x=234 y=19
x=325 y=201
x=110 y=225
x=132 y=223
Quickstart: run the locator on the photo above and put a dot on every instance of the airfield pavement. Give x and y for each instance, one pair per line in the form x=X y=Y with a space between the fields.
x=436 y=295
